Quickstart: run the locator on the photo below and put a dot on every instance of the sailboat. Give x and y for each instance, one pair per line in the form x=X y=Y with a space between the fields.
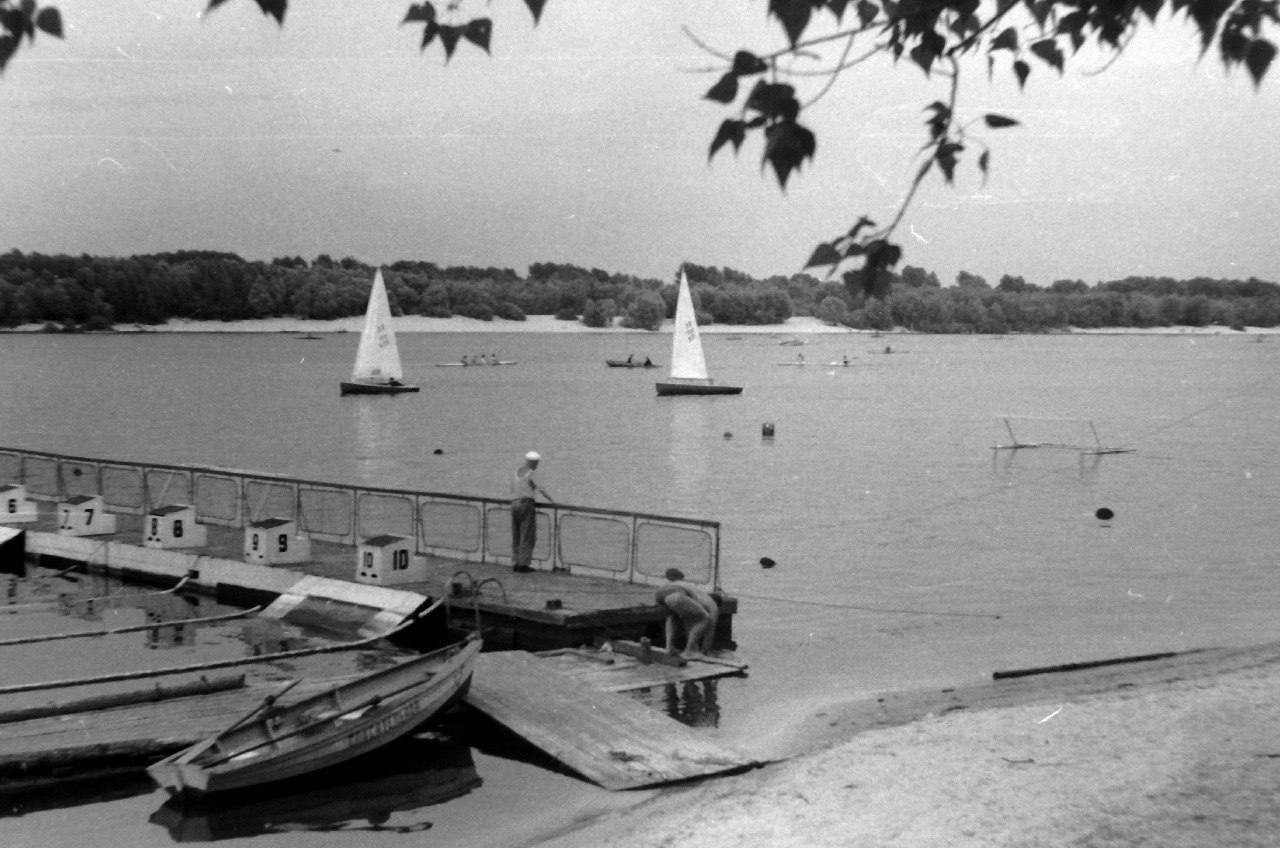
x=688 y=365
x=377 y=370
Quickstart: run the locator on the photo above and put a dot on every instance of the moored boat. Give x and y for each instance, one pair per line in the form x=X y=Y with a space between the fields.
x=354 y=718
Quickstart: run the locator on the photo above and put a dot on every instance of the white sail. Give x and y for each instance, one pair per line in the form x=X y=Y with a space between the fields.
x=687 y=361
x=377 y=358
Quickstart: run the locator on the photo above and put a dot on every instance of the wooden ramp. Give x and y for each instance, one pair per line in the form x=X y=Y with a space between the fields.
x=610 y=739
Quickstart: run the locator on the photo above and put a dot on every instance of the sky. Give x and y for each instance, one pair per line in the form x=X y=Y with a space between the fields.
x=153 y=127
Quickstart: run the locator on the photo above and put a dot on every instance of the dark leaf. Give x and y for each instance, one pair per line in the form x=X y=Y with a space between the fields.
x=824 y=254
x=420 y=13
x=429 y=33
x=1206 y=14
x=837 y=8
x=867 y=12
x=49 y=20
x=774 y=100
x=946 y=157
x=535 y=7
x=13 y=21
x=1150 y=8
x=984 y=161
x=854 y=249
x=1049 y=52
x=28 y=7
x=213 y=4
x=1233 y=44
x=730 y=131
x=1258 y=59
x=1023 y=70
x=745 y=63
x=8 y=46
x=793 y=15
x=787 y=145
x=274 y=8
x=478 y=32
x=997 y=122
x=1007 y=40
x=449 y=36
x=923 y=57
x=725 y=90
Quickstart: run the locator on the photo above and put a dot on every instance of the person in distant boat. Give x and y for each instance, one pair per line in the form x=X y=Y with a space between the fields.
x=394 y=382
x=648 y=363
x=465 y=360
x=524 y=512
x=846 y=359
x=630 y=356
x=688 y=607
x=800 y=358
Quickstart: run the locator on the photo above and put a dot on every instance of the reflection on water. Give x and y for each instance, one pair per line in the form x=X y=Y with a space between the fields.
x=691 y=425
x=384 y=793
x=695 y=703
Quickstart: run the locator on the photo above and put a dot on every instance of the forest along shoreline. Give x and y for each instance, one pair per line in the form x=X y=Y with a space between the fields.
x=796 y=325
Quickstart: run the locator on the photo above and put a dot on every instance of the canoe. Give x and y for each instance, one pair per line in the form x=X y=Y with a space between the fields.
x=330 y=728
x=623 y=363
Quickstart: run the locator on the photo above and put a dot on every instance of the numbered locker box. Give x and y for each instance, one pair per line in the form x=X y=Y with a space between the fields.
x=85 y=515
x=275 y=541
x=174 y=526
x=388 y=560
x=16 y=507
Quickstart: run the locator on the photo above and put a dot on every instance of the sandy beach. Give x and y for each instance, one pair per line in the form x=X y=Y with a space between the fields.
x=1177 y=752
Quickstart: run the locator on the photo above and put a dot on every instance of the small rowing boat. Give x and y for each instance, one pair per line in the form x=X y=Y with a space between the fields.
x=276 y=743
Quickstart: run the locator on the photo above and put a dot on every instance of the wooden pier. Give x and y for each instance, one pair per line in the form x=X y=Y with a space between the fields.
x=608 y=738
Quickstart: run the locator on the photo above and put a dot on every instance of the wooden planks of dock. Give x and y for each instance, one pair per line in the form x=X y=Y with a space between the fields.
x=608 y=738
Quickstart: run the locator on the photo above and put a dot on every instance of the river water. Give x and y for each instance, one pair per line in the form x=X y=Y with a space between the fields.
x=908 y=552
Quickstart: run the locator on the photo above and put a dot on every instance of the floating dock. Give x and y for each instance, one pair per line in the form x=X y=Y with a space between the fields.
x=369 y=561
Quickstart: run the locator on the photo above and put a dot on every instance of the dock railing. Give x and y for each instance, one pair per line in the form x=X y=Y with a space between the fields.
x=624 y=546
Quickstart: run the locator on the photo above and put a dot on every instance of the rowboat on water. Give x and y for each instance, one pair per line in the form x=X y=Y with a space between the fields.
x=277 y=743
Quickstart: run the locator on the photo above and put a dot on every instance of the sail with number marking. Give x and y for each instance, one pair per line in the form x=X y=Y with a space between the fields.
x=687 y=361
x=378 y=357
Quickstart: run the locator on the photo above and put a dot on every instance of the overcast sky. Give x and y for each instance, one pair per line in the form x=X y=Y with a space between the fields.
x=584 y=140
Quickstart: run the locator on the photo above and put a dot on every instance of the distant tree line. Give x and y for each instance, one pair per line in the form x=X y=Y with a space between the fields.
x=97 y=293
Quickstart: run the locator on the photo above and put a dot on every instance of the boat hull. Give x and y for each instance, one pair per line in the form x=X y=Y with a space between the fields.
x=374 y=389
x=669 y=389
x=622 y=363
x=324 y=730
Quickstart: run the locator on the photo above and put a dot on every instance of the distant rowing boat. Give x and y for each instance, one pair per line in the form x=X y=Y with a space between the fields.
x=475 y=364
x=628 y=363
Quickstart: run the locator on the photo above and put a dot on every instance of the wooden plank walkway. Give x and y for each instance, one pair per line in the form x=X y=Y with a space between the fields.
x=608 y=738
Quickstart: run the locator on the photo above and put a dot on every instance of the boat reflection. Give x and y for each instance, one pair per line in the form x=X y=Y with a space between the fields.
x=362 y=796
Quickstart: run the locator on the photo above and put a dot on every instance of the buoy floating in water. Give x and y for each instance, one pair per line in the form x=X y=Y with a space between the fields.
x=766 y=430
x=765 y=562
x=1104 y=514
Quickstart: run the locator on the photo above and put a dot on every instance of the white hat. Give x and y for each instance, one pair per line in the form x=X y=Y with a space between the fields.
x=533 y=456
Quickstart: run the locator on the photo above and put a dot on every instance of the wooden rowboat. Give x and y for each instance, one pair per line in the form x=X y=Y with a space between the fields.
x=279 y=743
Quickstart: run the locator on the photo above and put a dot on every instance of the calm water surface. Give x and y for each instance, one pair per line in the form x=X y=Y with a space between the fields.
x=909 y=552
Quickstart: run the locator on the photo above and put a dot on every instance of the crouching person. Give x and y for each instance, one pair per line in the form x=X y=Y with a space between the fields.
x=691 y=608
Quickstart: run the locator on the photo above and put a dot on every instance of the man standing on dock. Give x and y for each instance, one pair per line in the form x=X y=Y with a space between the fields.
x=524 y=513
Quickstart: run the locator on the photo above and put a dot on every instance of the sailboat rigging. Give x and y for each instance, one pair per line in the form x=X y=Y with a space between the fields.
x=688 y=365
x=377 y=370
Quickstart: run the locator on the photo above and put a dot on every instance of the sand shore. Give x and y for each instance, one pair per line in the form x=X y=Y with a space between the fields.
x=1178 y=752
